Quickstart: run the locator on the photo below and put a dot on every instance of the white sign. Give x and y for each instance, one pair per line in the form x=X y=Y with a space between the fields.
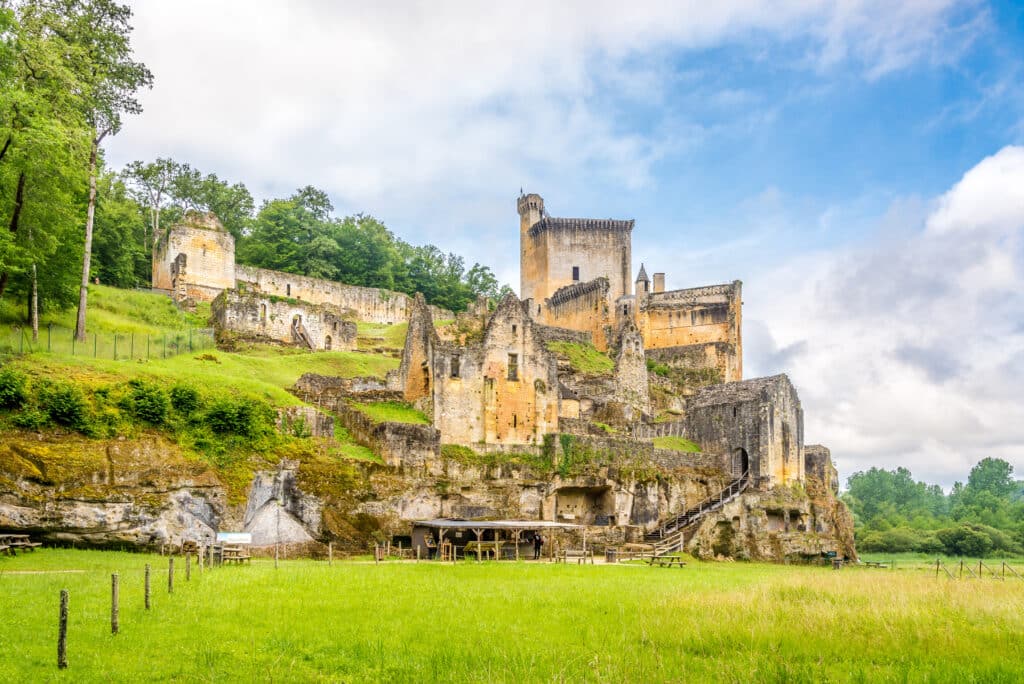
x=234 y=537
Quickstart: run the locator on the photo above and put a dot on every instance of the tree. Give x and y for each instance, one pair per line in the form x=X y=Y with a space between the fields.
x=96 y=33
x=152 y=184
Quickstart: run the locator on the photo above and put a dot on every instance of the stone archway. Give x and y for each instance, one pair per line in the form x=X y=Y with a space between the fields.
x=740 y=462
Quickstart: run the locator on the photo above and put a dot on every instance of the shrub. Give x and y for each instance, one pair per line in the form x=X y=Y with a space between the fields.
x=185 y=399
x=965 y=540
x=149 y=402
x=244 y=417
x=31 y=419
x=13 y=392
x=66 y=405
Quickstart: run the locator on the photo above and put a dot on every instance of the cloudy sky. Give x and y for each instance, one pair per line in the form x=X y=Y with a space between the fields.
x=858 y=164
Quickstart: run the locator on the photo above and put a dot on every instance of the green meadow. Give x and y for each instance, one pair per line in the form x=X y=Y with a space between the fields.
x=506 y=622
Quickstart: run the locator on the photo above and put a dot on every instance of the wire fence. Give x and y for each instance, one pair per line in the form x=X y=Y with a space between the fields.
x=116 y=346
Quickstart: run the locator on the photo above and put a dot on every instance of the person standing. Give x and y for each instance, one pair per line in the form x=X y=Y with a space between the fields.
x=538 y=542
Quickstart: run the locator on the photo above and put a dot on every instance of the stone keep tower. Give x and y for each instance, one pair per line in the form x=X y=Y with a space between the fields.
x=559 y=252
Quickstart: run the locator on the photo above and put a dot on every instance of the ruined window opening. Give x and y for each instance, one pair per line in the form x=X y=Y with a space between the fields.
x=263 y=312
x=575 y=273
x=538 y=309
x=513 y=367
x=288 y=289
x=327 y=343
x=625 y=309
x=647 y=286
x=515 y=421
x=455 y=366
x=513 y=328
x=693 y=318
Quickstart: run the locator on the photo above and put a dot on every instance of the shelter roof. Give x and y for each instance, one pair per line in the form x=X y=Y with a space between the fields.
x=452 y=524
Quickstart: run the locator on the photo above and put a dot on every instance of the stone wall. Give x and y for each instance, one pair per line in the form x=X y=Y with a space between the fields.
x=288 y=321
x=304 y=421
x=583 y=307
x=820 y=471
x=758 y=422
x=710 y=316
x=398 y=444
x=194 y=259
x=479 y=397
x=370 y=304
x=631 y=385
x=675 y=428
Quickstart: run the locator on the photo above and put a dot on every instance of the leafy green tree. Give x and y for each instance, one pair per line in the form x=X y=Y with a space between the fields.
x=119 y=243
x=96 y=36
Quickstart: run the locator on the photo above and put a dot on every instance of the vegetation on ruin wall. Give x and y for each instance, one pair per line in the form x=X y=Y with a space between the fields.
x=685 y=377
x=391 y=412
x=584 y=358
x=677 y=444
x=308 y=621
x=540 y=463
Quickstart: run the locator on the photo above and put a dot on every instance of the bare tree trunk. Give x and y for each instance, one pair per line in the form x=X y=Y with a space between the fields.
x=35 y=304
x=19 y=197
x=83 y=293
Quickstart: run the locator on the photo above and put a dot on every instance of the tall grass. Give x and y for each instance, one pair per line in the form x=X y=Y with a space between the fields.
x=508 y=622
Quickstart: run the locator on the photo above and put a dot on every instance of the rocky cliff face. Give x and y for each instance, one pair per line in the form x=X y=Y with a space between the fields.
x=67 y=489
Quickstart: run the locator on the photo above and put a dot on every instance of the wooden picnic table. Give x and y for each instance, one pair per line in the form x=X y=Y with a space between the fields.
x=667 y=561
x=235 y=554
x=10 y=543
x=580 y=555
x=486 y=548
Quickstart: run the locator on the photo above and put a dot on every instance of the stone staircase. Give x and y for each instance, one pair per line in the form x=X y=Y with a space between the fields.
x=669 y=537
x=300 y=334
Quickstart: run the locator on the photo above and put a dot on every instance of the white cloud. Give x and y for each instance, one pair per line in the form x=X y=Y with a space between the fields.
x=910 y=351
x=433 y=114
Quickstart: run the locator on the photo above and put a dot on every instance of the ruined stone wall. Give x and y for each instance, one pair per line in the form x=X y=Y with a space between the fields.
x=761 y=418
x=370 y=304
x=631 y=386
x=415 y=377
x=709 y=316
x=675 y=428
x=398 y=444
x=820 y=471
x=478 y=398
x=209 y=258
x=269 y=318
x=583 y=307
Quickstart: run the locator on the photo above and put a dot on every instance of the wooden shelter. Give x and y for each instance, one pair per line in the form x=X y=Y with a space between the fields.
x=500 y=538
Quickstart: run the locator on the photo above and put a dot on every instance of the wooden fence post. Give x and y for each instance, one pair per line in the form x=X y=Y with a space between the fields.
x=170 y=575
x=115 y=608
x=199 y=559
x=62 y=632
x=188 y=566
x=330 y=553
x=147 y=586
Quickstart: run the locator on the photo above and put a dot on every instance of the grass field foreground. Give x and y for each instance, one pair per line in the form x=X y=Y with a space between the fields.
x=308 y=621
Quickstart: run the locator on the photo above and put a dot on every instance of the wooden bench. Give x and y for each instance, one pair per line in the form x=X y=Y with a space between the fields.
x=877 y=564
x=667 y=561
x=580 y=555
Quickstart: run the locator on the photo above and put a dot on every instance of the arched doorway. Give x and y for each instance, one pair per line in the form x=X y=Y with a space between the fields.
x=740 y=462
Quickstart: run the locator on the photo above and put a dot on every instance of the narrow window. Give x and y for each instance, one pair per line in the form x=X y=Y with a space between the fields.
x=625 y=309
x=263 y=312
x=693 y=318
x=513 y=367
x=575 y=273
x=455 y=366
x=647 y=286
x=513 y=328
x=515 y=421
x=288 y=289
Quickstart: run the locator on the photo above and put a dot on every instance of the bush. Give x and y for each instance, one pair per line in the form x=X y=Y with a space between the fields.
x=31 y=419
x=240 y=417
x=965 y=540
x=66 y=405
x=185 y=399
x=12 y=388
x=149 y=402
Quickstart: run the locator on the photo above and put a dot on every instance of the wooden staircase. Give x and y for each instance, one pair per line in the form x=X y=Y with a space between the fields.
x=669 y=537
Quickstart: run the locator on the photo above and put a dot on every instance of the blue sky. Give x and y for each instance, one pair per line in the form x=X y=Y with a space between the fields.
x=854 y=163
